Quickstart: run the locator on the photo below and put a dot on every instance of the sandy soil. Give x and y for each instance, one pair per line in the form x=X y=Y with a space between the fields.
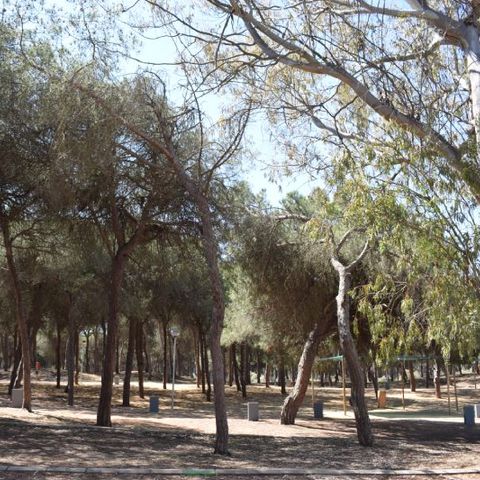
x=422 y=435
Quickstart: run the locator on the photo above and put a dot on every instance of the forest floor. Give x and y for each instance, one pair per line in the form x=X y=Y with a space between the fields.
x=423 y=435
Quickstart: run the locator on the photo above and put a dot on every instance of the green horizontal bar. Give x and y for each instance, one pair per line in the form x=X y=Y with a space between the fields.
x=336 y=358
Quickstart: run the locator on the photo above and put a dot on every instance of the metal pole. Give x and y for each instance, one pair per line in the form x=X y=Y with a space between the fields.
x=173 y=373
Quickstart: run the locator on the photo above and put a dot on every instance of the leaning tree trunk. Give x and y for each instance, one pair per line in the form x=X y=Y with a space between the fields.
x=129 y=362
x=295 y=399
x=364 y=428
x=20 y=314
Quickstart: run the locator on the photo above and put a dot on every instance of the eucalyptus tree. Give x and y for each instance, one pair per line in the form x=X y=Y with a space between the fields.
x=413 y=65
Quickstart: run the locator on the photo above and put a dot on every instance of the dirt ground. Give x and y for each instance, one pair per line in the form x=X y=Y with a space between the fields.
x=421 y=436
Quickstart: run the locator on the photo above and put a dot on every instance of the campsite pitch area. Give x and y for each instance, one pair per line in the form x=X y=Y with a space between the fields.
x=56 y=436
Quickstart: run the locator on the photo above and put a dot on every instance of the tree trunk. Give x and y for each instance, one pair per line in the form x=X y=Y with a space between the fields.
x=258 y=366
x=148 y=366
x=236 y=372
x=139 y=350
x=58 y=358
x=70 y=351
x=427 y=374
x=202 y=359
x=267 y=374
x=117 y=356
x=472 y=52
x=362 y=419
x=77 y=357
x=198 y=371
x=20 y=314
x=96 y=362
x=295 y=399
x=165 y=352
x=87 y=352
x=243 y=369
x=411 y=372
x=281 y=376
x=105 y=404
x=207 y=370
x=17 y=359
x=129 y=362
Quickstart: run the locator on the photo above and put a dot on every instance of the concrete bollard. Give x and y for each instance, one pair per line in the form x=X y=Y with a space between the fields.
x=318 y=410
x=17 y=397
x=154 y=402
x=469 y=415
x=252 y=411
x=477 y=410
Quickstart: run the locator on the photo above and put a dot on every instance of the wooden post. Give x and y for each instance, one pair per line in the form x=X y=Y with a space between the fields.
x=447 y=365
x=455 y=388
x=344 y=388
x=403 y=384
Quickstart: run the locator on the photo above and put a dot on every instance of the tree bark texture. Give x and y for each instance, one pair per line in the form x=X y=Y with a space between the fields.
x=295 y=399
x=362 y=419
x=20 y=314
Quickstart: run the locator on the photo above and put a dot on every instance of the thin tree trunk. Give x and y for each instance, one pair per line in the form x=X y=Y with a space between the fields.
x=77 y=357
x=362 y=419
x=243 y=369
x=96 y=362
x=281 y=376
x=117 y=356
x=148 y=367
x=197 y=359
x=139 y=351
x=258 y=366
x=129 y=362
x=411 y=372
x=165 y=347
x=235 y=367
x=87 y=353
x=58 y=358
x=207 y=370
x=295 y=399
x=70 y=351
x=20 y=314
x=202 y=360
x=267 y=374
x=16 y=368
